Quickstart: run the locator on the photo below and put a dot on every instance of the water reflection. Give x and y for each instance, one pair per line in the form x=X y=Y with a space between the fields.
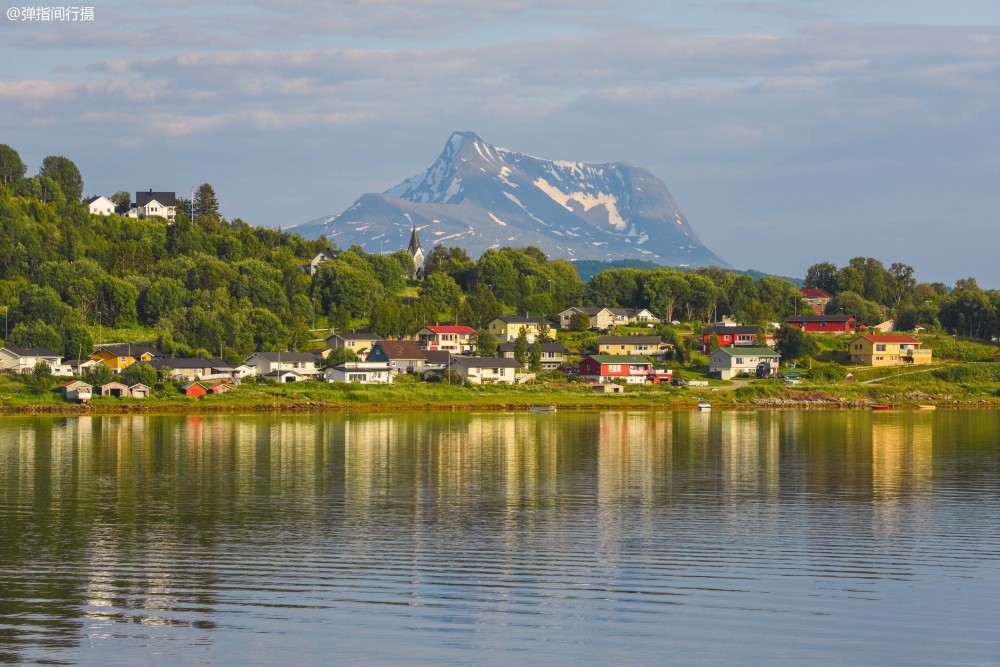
x=172 y=532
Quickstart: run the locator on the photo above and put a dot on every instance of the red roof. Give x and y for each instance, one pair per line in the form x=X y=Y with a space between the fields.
x=461 y=329
x=890 y=338
x=815 y=293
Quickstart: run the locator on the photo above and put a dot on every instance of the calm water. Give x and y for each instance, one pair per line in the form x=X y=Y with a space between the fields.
x=606 y=538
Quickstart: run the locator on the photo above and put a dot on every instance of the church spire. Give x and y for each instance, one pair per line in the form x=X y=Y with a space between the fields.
x=417 y=253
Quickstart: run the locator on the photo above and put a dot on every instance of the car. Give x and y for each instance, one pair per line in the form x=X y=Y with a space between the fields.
x=678 y=382
x=794 y=375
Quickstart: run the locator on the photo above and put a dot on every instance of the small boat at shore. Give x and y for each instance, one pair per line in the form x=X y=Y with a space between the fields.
x=704 y=406
x=881 y=408
x=926 y=407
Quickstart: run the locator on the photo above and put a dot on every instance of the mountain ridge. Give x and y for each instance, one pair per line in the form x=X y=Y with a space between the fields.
x=480 y=196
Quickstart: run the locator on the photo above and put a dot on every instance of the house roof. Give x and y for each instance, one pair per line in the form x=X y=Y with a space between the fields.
x=31 y=352
x=522 y=319
x=588 y=310
x=284 y=356
x=748 y=351
x=450 y=329
x=414 y=242
x=629 y=340
x=815 y=293
x=545 y=347
x=129 y=349
x=181 y=363
x=138 y=385
x=91 y=200
x=401 y=349
x=274 y=374
x=487 y=362
x=729 y=331
x=820 y=318
x=619 y=359
x=355 y=336
x=890 y=338
x=165 y=198
x=437 y=356
x=191 y=384
x=76 y=383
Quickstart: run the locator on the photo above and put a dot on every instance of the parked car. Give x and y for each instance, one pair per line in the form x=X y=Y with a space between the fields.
x=794 y=375
x=679 y=382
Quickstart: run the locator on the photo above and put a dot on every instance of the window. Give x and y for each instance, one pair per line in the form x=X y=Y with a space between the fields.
x=880 y=347
x=739 y=361
x=356 y=377
x=614 y=368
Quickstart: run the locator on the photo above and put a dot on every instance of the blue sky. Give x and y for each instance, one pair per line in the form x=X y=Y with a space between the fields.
x=788 y=132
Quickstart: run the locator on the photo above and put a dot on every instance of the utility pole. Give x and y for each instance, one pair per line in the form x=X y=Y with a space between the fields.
x=5 y=324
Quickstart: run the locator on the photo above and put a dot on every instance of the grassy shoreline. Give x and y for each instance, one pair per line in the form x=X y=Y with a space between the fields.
x=318 y=397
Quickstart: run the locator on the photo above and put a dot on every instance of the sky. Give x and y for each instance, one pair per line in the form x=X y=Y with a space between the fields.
x=788 y=132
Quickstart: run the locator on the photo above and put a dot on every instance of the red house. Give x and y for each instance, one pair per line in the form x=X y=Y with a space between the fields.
x=824 y=323
x=733 y=336
x=817 y=298
x=608 y=367
x=457 y=339
x=194 y=389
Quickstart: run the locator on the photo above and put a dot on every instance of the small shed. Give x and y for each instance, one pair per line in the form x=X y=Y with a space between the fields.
x=220 y=388
x=115 y=389
x=194 y=389
x=77 y=390
x=609 y=388
x=139 y=390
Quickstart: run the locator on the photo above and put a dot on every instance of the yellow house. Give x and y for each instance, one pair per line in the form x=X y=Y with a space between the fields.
x=643 y=346
x=887 y=350
x=120 y=356
x=508 y=327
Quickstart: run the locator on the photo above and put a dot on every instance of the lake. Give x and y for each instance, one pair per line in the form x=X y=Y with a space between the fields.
x=590 y=537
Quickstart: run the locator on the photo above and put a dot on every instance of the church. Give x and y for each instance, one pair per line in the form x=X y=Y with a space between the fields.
x=417 y=253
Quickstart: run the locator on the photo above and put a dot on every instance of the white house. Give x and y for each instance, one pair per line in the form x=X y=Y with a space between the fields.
x=158 y=204
x=359 y=371
x=300 y=363
x=553 y=354
x=24 y=359
x=729 y=361
x=100 y=205
x=195 y=368
x=486 y=370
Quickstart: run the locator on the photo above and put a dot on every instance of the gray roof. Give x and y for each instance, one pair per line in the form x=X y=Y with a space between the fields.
x=748 y=351
x=165 y=198
x=355 y=336
x=180 y=363
x=285 y=356
x=32 y=352
x=486 y=362
x=522 y=319
x=546 y=347
x=722 y=329
x=129 y=349
x=629 y=340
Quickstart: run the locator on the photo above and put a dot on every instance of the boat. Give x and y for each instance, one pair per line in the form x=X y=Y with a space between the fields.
x=881 y=408
x=704 y=406
x=542 y=408
x=926 y=407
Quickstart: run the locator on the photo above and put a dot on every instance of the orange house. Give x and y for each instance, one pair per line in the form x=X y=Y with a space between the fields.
x=120 y=356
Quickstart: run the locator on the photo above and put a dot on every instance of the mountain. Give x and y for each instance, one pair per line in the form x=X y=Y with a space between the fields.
x=479 y=196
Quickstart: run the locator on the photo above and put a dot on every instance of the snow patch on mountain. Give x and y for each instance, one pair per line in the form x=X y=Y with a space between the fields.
x=584 y=199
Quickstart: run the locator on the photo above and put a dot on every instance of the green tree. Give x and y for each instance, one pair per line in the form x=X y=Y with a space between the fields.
x=138 y=373
x=339 y=356
x=579 y=322
x=852 y=303
x=12 y=169
x=43 y=377
x=440 y=292
x=98 y=375
x=35 y=334
x=823 y=276
x=521 y=345
x=205 y=202
x=714 y=343
x=793 y=343
x=535 y=357
x=65 y=174
x=486 y=344
x=122 y=200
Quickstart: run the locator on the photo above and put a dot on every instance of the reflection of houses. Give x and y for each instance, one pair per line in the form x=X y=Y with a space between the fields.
x=733 y=336
x=195 y=369
x=730 y=361
x=486 y=370
x=609 y=367
x=361 y=372
x=508 y=327
x=458 y=339
x=358 y=343
x=553 y=354
x=887 y=350
x=817 y=298
x=643 y=346
x=24 y=359
x=300 y=363
x=823 y=323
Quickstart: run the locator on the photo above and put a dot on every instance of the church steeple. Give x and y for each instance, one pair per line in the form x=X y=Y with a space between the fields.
x=417 y=253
